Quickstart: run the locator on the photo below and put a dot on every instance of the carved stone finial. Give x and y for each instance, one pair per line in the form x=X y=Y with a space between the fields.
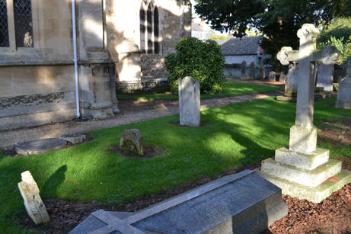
x=308 y=32
x=282 y=55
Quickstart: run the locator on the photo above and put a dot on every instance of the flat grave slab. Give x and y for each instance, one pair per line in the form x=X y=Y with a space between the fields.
x=39 y=146
x=240 y=203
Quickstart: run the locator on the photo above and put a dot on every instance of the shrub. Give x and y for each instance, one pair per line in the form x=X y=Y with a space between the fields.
x=201 y=60
x=338 y=34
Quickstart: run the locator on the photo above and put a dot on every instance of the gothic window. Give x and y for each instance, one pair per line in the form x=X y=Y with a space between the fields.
x=23 y=23
x=4 y=31
x=149 y=29
x=156 y=32
x=142 y=30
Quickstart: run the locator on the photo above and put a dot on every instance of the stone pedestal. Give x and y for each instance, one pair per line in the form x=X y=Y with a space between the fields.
x=311 y=176
x=303 y=139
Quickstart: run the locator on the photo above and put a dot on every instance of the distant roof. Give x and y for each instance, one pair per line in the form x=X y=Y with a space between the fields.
x=241 y=46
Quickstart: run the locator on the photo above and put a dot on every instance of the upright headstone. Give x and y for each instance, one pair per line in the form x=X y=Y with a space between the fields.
x=243 y=70
x=272 y=76
x=291 y=83
x=325 y=77
x=344 y=94
x=189 y=102
x=283 y=77
x=303 y=171
x=252 y=71
x=32 y=201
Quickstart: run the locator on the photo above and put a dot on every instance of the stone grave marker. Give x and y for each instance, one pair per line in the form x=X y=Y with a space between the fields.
x=272 y=76
x=189 y=102
x=325 y=77
x=132 y=142
x=344 y=93
x=243 y=70
x=303 y=171
x=240 y=203
x=32 y=201
x=252 y=71
x=291 y=83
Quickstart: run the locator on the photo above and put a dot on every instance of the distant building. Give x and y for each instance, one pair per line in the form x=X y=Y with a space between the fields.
x=243 y=57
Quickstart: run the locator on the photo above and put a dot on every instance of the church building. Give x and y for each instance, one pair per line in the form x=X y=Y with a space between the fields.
x=65 y=59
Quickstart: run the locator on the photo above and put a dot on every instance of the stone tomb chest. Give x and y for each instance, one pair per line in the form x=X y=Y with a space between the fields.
x=240 y=203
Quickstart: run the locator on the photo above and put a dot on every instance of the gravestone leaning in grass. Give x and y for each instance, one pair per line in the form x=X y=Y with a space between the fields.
x=189 y=102
x=344 y=94
x=303 y=170
x=32 y=201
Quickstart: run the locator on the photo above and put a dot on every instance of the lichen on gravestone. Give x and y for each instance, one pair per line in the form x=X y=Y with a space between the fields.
x=33 y=203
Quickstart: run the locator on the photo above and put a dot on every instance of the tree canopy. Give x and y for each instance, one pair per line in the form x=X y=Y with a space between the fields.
x=278 y=20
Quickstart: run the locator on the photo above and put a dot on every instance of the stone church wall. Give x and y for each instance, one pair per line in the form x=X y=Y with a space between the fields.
x=37 y=84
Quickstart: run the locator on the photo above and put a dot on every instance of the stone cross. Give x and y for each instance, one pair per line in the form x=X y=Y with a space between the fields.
x=303 y=136
x=32 y=201
x=189 y=102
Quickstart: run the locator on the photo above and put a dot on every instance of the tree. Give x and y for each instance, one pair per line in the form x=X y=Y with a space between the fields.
x=278 y=20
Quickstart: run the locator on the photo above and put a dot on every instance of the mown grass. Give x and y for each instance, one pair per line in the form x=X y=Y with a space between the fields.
x=231 y=137
x=231 y=88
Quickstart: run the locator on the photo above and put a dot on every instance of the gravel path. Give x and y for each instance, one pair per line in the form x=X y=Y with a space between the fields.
x=131 y=113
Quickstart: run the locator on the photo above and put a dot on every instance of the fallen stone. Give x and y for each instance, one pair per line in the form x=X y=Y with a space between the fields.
x=240 y=203
x=131 y=142
x=74 y=139
x=32 y=201
x=39 y=146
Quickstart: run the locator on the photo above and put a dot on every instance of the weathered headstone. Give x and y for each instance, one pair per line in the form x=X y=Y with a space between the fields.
x=131 y=142
x=291 y=83
x=240 y=203
x=344 y=93
x=272 y=76
x=243 y=70
x=189 y=102
x=283 y=77
x=252 y=71
x=303 y=171
x=32 y=201
x=325 y=77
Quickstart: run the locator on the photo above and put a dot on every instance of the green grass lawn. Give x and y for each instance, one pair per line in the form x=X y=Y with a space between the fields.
x=231 y=137
x=231 y=88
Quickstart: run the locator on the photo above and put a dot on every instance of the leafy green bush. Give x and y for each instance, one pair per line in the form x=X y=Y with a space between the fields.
x=201 y=60
x=338 y=34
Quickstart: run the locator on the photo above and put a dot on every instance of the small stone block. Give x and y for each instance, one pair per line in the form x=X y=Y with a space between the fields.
x=301 y=160
x=303 y=140
x=315 y=195
x=74 y=139
x=310 y=178
x=32 y=201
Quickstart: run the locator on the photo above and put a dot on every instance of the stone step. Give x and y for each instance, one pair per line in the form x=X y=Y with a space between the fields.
x=301 y=160
x=309 y=178
x=317 y=194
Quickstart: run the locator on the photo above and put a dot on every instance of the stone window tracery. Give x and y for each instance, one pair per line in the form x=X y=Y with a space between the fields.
x=23 y=23
x=149 y=28
x=4 y=30
x=16 y=24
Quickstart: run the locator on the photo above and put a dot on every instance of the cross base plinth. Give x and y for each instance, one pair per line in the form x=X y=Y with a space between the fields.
x=310 y=176
x=303 y=139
